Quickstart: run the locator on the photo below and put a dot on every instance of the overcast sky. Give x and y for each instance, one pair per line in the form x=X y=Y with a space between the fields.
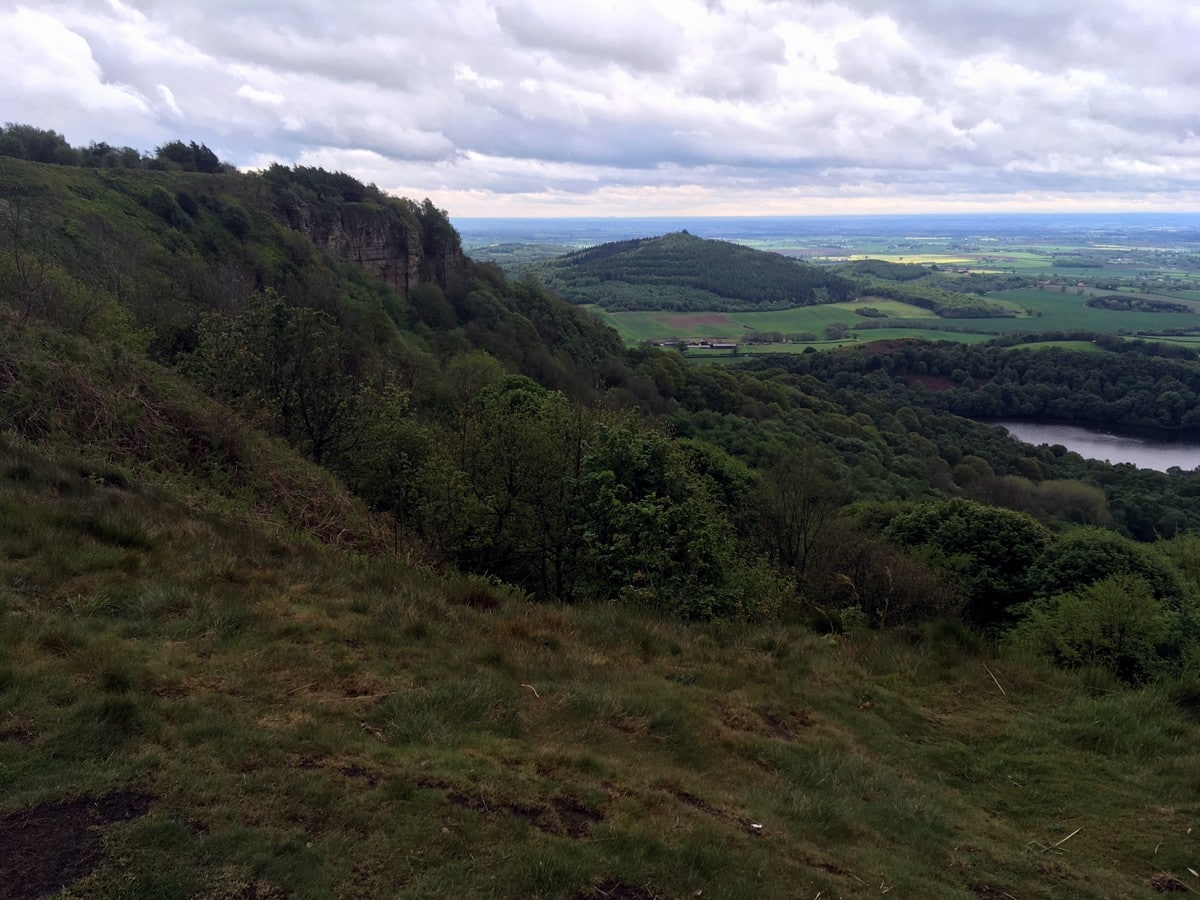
x=714 y=107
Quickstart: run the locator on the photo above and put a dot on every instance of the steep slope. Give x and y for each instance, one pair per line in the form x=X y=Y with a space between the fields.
x=683 y=272
x=147 y=255
x=191 y=705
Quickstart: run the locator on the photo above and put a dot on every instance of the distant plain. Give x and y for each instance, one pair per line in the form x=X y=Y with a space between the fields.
x=1065 y=260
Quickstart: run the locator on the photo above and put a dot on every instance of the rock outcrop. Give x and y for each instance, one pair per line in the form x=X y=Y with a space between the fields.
x=400 y=249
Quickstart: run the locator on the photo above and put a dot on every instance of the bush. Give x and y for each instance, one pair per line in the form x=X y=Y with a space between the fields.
x=1115 y=624
x=163 y=204
x=236 y=218
x=187 y=203
x=890 y=588
x=984 y=550
x=1087 y=555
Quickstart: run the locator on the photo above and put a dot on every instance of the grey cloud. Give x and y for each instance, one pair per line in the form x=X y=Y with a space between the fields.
x=905 y=97
x=643 y=45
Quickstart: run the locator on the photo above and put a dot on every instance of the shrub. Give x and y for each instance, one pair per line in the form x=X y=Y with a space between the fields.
x=236 y=218
x=163 y=204
x=984 y=550
x=1115 y=624
x=1087 y=555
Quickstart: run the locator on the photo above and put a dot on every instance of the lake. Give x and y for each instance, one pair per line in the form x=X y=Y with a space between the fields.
x=1159 y=452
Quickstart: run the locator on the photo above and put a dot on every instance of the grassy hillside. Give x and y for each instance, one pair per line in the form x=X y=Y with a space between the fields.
x=191 y=706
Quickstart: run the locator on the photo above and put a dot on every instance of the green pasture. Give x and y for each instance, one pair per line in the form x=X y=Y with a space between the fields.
x=1188 y=340
x=921 y=259
x=660 y=325
x=905 y=330
x=1182 y=297
x=1055 y=311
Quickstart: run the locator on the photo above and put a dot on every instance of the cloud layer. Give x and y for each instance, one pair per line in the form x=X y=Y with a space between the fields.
x=510 y=107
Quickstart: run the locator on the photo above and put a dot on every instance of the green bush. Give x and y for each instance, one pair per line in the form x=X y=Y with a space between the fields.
x=986 y=551
x=163 y=204
x=1115 y=624
x=1087 y=555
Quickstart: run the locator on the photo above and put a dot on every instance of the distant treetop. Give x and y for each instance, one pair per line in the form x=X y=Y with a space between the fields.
x=42 y=145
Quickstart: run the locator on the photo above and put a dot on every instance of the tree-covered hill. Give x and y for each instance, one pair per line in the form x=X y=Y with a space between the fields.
x=682 y=272
x=145 y=256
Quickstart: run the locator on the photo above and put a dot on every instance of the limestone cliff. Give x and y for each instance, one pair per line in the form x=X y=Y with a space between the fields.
x=396 y=240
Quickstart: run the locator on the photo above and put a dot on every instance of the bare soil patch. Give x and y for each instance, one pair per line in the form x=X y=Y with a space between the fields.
x=576 y=818
x=565 y=816
x=784 y=726
x=45 y=848
x=698 y=803
x=1166 y=883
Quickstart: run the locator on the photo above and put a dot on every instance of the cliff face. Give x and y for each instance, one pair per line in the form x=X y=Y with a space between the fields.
x=401 y=250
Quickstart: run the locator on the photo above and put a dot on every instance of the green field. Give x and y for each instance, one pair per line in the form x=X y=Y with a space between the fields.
x=1046 y=310
x=1055 y=311
x=661 y=326
x=941 y=259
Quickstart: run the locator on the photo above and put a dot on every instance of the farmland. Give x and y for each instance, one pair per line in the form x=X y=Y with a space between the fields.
x=1044 y=310
x=1030 y=273
x=656 y=325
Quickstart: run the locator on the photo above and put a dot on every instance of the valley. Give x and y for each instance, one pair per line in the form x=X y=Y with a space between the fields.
x=337 y=562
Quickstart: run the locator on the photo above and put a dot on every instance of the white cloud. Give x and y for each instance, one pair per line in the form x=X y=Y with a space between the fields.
x=741 y=105
x=167 y=98
x=254 y=95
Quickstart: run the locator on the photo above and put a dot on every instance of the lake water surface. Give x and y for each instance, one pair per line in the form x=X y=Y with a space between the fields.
x=1145 y=452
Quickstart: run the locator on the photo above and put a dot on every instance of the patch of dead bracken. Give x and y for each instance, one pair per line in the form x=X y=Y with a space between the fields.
x=1166 y=883
x=697 y=803
x=478 y=597
x=787 y=726
x=613 y=889
x=46 y=847
x=784 y=726
x=564 y=816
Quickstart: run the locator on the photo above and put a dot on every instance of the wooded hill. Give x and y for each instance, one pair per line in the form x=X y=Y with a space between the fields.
x=321 y=540
x=682 y=272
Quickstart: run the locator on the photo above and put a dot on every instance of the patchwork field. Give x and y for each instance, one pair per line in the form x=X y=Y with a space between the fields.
x=1045 y=310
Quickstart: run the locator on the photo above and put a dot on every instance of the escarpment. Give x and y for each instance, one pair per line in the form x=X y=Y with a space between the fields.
x=396 y=240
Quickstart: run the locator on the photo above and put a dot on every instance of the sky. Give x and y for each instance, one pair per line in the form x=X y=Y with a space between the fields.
x=653 y=107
